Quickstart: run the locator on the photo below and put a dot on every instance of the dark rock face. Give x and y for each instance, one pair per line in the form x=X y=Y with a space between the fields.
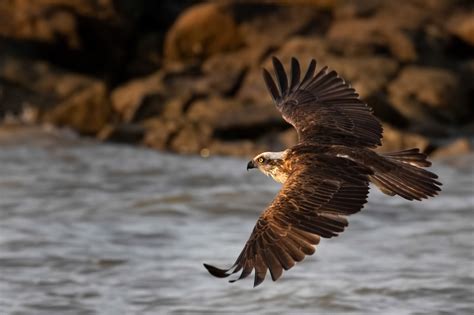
x=186 y=76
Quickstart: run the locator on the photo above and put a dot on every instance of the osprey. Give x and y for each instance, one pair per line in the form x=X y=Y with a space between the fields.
x=326 y=175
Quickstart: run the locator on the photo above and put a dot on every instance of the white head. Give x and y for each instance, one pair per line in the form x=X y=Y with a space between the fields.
x=270 y=164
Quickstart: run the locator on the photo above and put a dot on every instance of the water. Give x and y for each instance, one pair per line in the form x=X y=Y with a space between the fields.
x=87 y=228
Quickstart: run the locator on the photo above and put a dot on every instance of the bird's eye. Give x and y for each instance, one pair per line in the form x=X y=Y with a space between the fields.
x=260 y=160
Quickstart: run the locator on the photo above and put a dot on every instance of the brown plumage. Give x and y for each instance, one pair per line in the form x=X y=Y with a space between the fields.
x=326 y=175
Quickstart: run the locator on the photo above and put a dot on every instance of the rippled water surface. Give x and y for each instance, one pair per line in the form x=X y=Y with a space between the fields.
x=87 y=228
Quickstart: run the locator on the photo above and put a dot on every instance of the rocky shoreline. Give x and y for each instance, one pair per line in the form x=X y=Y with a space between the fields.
x=187 y=78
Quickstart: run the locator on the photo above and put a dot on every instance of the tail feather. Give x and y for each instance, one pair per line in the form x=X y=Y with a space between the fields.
x=410 y=156
x=403 y=175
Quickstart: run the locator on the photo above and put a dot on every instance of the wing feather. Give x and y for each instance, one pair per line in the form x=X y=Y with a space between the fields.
x=312 y=204
x=323 y=108
x=281 y=75
x=309 y=73
x=295 y=74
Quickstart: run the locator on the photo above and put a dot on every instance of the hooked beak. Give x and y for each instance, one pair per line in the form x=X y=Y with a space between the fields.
x=251 y=165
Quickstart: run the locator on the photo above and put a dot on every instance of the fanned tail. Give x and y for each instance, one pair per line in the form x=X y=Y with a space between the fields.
x=403 y=175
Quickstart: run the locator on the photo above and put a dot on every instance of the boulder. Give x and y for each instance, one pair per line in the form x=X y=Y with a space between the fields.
x=461 y=25
x=42 y=78
x=159 y=132
x=273 y=24
x=428 y=96
x=127 y=98
x=202 y=31
x=60 y=97
x=86 y=111
x=122 y=133
x=371 y=36
x=14 y=99
x=395 y=140
x=224 y=73
x=233 y=119
x=368 y=75
x=457 y=147
x=191 y=138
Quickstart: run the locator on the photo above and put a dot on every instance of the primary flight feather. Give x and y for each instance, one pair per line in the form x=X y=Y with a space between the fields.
x=326 y=175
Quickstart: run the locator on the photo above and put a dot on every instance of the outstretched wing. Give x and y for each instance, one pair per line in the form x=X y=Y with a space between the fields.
x=312 y=203
x=323 y=108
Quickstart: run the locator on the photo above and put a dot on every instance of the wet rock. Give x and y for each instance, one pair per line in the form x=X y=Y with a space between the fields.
x=86 y=111
x=427 y=96
x=457 y=147
x=201 y=31
x=395 y=139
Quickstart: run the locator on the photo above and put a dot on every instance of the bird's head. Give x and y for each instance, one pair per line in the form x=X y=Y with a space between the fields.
x=269 y=163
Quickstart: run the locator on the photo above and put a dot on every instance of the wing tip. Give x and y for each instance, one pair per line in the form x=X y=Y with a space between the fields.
x=216 y=272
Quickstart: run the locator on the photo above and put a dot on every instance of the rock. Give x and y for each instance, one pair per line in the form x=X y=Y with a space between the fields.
x=122 y=133
x=461 y=25
x=86 y=111
x=146 y=56
x=427 y=95
x=42 y=78
x=159 y=132
x=87 y=35
x=127 y=98
x=60 y=97
x=287 y=138
x=232 y=118
x=372 y=35
x=243 y=148
x=192 y=138
x=273 y=24
x=395 y=140
x=40 y=21
x=201 y=31
x=15 y=99
x=457 y=147
x=224 y=73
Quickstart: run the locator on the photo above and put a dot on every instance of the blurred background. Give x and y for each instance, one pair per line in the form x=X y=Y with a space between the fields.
x=89 y=225
x=185 y=76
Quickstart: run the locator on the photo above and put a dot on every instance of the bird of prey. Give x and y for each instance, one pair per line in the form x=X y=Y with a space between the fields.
x=326 y=175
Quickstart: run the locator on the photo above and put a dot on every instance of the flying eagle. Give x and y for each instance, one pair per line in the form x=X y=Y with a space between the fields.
x=326 y=175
